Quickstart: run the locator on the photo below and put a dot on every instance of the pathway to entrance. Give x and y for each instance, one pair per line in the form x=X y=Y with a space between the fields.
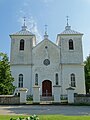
x=44 y=109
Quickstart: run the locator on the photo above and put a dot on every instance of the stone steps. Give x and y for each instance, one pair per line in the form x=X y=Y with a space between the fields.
x=46 y=98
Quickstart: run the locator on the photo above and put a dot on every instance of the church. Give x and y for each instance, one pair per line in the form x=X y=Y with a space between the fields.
x=47 y=64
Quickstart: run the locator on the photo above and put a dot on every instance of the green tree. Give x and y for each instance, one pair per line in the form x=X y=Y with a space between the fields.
x=87 y=73
x=6 y=79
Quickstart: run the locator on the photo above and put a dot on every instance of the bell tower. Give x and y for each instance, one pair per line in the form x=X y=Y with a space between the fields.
x=22 y=43
x=70 y=42
x=71 y=59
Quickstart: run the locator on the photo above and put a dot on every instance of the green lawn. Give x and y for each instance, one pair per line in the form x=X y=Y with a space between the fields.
x=49 y=117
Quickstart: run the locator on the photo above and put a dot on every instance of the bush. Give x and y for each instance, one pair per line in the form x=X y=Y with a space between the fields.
x=33 y=117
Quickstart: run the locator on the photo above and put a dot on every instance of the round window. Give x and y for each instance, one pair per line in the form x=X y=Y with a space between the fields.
x=46 y=62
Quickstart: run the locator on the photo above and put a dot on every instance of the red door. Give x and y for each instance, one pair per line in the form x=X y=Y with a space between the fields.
x=46 y=88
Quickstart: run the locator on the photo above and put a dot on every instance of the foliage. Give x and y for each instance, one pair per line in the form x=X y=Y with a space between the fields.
x=6 y=79
x=87 y=73
x=29 y=98
x=33 y=117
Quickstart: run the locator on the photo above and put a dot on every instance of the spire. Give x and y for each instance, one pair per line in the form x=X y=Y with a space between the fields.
x=67 y=26
x=24 y=27
x=24 y=20
x=67 y=20
x=45 y=35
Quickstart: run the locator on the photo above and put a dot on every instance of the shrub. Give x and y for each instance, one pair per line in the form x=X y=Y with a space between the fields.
x=33 y=117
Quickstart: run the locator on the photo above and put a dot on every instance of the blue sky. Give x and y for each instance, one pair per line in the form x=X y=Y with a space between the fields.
x=41 y=12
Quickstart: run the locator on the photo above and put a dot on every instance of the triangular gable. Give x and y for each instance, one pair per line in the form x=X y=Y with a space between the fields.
x=40 y=43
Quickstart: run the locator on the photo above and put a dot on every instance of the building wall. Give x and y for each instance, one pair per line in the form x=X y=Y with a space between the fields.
x=62 y=61
x=71 y=56
x=46 y=72
x=27 y=76
x=78 y=70
x=21 y=56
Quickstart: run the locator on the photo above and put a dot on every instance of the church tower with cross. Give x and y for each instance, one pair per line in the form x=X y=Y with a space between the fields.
x=48 y=64
x=22 y=43
x=71 y=58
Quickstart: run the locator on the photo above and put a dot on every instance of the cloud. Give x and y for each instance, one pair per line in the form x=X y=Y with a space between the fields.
x=32 y=25
x=30 y=21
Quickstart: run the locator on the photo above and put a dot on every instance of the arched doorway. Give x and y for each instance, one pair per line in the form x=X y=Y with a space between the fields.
x=46 y=88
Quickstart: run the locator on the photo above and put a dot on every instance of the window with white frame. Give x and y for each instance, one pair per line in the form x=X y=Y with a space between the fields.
x=71 y=46
x=73 y=83
x=20 y=83
x=21 y=44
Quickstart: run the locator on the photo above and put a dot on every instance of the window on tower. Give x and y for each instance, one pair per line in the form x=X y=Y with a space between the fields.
x=20 y=83
x=73 y=83
x=21 y=44
x=71 y=47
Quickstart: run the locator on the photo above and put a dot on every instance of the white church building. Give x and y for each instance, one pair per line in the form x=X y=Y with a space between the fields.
x=48 y=64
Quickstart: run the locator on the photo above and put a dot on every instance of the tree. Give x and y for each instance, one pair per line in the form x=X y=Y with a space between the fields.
x=6 y=79
x=87 y=73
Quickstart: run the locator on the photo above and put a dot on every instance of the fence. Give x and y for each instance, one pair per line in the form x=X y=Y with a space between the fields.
x=9 y=99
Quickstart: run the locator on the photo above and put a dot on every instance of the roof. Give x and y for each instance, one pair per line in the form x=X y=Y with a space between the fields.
x=68 y=30
x=24 y=31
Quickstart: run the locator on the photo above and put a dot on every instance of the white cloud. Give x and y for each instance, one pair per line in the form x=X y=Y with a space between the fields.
x=30 y=21
x=32 y=25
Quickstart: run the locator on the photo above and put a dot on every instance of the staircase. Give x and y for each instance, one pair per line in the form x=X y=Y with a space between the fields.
x=46 y=98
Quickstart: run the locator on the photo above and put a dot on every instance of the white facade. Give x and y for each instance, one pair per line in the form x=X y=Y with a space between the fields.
x=47 y=64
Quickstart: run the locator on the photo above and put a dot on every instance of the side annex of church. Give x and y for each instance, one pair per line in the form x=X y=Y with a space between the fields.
x=47 y=64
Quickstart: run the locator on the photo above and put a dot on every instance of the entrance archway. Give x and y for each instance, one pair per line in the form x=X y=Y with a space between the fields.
x=46 y=88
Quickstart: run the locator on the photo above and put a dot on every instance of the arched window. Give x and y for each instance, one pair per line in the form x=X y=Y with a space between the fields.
x=36 y=79
x=73 y=83
x=71 y=47
x=20 y=83
x=21 y=44
x=56 y=78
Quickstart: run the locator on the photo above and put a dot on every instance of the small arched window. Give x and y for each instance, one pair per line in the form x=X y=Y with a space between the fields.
x=21 y=44
x=20 y=83
x=56 y=78
x=36 y=79
x=73 y=83
x=71 y=47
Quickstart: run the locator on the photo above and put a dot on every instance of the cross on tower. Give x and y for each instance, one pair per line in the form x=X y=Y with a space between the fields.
x=46 y=29
x=67 y=20
x=24 y=20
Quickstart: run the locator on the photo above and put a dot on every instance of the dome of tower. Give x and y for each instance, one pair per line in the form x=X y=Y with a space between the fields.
x=68 y=30
x=24 y=31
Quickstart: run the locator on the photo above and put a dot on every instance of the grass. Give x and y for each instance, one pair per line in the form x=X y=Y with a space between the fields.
x=48 y=117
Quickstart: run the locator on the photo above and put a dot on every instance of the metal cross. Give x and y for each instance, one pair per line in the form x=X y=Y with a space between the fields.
x=46 y=29
x=67 y=20
x=24 y=20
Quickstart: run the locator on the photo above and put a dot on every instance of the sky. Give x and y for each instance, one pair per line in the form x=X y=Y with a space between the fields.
x=40 y=12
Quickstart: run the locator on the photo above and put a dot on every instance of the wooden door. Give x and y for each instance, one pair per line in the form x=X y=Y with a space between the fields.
x=46 y=88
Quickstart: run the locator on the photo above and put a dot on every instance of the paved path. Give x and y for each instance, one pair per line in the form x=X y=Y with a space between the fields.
x=44 y=109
